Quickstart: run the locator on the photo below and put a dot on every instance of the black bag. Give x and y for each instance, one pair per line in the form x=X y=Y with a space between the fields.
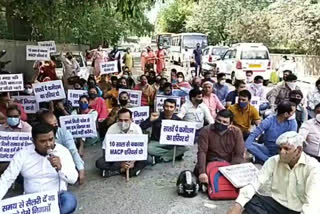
x=187 y=184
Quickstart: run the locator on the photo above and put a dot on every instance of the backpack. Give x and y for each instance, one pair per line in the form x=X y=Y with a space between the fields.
x=219 y=187
x=187 y=184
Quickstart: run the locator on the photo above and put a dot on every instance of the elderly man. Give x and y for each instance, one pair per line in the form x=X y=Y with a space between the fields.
x=14 y=122
x=290 y=182
x=5 y=101
x=211 y=100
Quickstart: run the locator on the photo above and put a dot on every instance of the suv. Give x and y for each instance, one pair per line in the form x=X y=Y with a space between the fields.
x=210 y=55
x=244 y=57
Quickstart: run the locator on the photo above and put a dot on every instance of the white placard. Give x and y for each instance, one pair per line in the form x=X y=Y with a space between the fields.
x=180 y=133
x=255 y=101
x=140 y=114
x=134 y=96
x=47 y=91
x=29 y=103
x=34 y=52
x=74 y=96
x=159 y=102
x=82 y=125
x=49 y=44
x=11 y=82
x=41 y=202
x=126 y=147
x=240 y=175
x=108 y=67
x=12 y=142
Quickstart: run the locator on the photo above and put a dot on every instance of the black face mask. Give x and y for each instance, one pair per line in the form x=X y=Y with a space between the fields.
x=295 y=100
x=123 y=102
x=92 y=95
x=198 y=101
x=69 y=57
x=220 y=127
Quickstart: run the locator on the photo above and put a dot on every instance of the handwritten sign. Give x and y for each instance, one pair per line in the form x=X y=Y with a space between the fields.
x=83 y=125
x=108 y=67
x=12 y=142
x=74 y=96
x=48 y=44
x=140 y=114
x=134 y=95
x=11 y=82
x=29 y=103
x=180 y=133
x=240 y=175
x=35 y=52
x=160 y=102
x=41 y=202
x=126 y=147
x=47 y=91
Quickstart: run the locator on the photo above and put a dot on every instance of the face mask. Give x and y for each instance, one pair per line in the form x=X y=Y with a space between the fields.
x=143 y=82
x=295 y=100
x=220 y=127
x=243 y=104
x=222 y=82
x=249 y=79
x=92 y=95
x=318 y=118
x=180 y=79
x=28 y=90
x=69 y=57
x=123 y=126
x=123 y=102
x=258 y=85
x=83 y=106
x=293 y=117
x=160 y=47
x=291 y=85
x=13 y=121
x=199 y=101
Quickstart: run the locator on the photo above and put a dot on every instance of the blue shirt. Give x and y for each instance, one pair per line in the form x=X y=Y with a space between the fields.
x=231 y=97
x=182 y=92
x=221 y=91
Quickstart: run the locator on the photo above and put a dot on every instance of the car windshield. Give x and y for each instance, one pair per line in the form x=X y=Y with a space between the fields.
x=191 y=42
x=254 y=54
x=218 y=51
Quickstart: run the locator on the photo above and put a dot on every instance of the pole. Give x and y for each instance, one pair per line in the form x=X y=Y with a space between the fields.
x=174 y=155
x=127 y=175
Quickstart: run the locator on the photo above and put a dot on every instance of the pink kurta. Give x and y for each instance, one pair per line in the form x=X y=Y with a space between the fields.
x=100 y=106
x=98 y=58
x=144 y=56
x=213 y=103
x=160 y=60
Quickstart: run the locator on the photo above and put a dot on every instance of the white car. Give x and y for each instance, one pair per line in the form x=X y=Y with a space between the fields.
x=210 y=55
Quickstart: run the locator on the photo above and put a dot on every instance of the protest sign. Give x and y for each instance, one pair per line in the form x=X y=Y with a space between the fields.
x=11 y=82
x=240 y=175
x=47 y=91
x=12 y=142
x=82 y=125
x=41 y=202
x=140 y=114
x=126 y=147
x=29 y=103
x=74 y=95
x=48 y=44
x=35 y=52
x=179 y=133
x=159 y=102
x=255 y=101
x=108 y=67
x=135 y=96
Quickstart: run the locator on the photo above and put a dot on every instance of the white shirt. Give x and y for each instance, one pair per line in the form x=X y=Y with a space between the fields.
x=310 y=130
x=38 y=173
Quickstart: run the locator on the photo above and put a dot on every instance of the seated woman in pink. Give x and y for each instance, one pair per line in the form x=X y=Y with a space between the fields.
x=97 y=103
x=181 y=81
x=148 y=92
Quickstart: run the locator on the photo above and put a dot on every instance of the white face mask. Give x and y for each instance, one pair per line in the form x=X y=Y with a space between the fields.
x=318 y=118
x=222 y=82
x=124 y=125
x=180 y=79
x=293 y=117
x=28 y=90
x=291 y=85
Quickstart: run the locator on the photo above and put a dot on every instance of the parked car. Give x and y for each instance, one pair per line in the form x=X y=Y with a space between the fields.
x=210 y=55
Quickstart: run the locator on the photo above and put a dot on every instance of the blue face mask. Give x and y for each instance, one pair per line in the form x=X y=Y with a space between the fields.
x=83 y=106
x=243 y=104
x=13 y=121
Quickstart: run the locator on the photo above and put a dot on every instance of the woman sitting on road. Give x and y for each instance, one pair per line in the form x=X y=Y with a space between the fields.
x=97 y=103
x=148 y=92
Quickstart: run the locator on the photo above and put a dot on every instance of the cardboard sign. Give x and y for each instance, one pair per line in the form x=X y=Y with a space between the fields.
x=34 y=52
x=41 y=202
x=159 y=102
x=240 y=175
x=108 y=67
x=11 y=82
x=134 y=96
x=126 y=147
x=179 y=133
x=74 y=96
x=29 y=103
x=140 y=114
x=47 y=91
x=49 y=44
x=82 y=125
x=12 y=142
x=255 y=101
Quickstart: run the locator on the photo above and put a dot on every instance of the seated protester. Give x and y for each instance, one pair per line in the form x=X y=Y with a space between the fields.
x=249 y=77
x=148 y=92
x=92 y=83
x=167 y=91
x=257 y=90
x=128 y=75
x=272 y=127
x=28 y=91
x=296 y=97
x=98 y=104
x=162 y=152
x=285 y=74
x=78 y=85
x=162 y=82
x=103 y=84
x=3 y=119
x=125 y=125
x=64 y=137
x=314 y=99
x=244 y=113
x=310 y=130
x=174 y=78
x=62 y=108
x=5 y=101
x=122 y=83
x=219 y=141
x=112 y=93
x=41 y=171
x=289 y=181
x=196 y=82
x=207 y=77
x=152 y=77
x=156 y=84
x=220 y=88
x=210 y=99
x=181 y=82
x=231 y=97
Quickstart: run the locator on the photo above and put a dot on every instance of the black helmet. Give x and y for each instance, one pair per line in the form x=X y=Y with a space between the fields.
x=187 y=184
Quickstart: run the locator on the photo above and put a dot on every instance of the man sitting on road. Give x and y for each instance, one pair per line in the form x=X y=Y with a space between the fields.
x=289 y=182
x=5 y=101
x=167 y=91
x=220 y=88
x=296 y=97
x=231 y=97
x=257 y=90
x=210 y=99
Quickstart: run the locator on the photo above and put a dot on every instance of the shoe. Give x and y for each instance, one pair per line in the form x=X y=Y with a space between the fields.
x=156 y=159
x=109 y=173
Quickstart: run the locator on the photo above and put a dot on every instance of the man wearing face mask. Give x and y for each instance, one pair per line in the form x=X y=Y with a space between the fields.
x=257 y=90
x=219 y=141
x=28 y=91
x=290 y=182
x=220 y=88
x=314 y=98
x=5 y=101
x=301 y=114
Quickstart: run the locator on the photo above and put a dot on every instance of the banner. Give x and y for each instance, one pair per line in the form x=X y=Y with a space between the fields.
x=47 y=91
x=255 y=101
x=12 y=142
x=159 y=102
x=29 y=103
x=179 y=133
x=74 y=96
x=35 y=52
x=49 y=44
x=41 y=202
x=140 y=114
x=134 y=95
x=108 y=67
x=126 y=147
x=82 y=125
x=11 y=82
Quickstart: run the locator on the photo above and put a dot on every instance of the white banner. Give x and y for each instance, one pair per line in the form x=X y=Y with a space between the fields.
x=126 y=147
x=41 y=202
x=159 y=102
x=47 y=91
x=134 y=95
x=29 y=103
x=255 y=101
x=140 y=114
x=82 y=125
x=12 y=142
x=49 y=44
x=11 y=82
x=180 y=133
x=108 y=67
x=35 y=52
x=74 y=95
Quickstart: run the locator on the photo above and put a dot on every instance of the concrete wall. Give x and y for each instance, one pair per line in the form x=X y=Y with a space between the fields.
x=16 y=52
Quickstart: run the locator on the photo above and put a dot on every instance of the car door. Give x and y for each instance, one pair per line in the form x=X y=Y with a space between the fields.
x=226 y=62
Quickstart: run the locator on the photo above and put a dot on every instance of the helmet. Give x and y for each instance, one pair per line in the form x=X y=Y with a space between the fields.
x=187 y=184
